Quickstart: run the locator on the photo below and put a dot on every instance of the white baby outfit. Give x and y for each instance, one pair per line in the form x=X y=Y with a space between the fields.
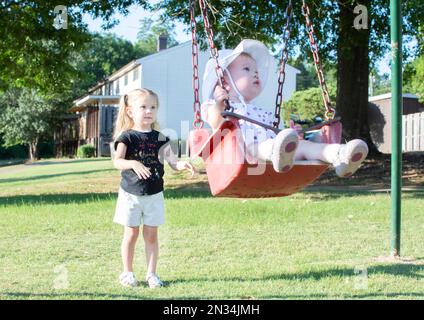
x=252 y=133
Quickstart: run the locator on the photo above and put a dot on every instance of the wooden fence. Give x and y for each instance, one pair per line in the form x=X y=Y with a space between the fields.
x=413 y=132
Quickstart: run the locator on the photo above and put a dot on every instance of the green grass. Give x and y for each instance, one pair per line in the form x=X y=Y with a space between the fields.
x=57 y=216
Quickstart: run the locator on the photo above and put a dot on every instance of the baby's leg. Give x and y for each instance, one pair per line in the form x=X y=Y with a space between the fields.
x=317 y=151
x=346 y=158
x=280 y=150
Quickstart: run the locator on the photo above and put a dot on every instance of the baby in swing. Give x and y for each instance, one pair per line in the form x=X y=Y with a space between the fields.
x=245 y=72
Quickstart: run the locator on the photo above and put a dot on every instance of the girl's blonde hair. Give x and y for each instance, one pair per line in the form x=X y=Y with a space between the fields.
x=123 y=121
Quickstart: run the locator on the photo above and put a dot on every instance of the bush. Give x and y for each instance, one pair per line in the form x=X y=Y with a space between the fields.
x=307 y=104
x=14 y=152
x=86 y=151
x=46 y=149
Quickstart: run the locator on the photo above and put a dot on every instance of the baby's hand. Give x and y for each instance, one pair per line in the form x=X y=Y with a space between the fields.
x=220 y=95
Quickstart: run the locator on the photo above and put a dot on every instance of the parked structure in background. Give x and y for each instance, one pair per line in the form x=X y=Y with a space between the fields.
x=379 y=118
x=168 y=72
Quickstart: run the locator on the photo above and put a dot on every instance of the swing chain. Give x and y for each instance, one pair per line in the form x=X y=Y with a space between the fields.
x=198 y=122
x=214 y=51
x=283 y=62
x=330 y=111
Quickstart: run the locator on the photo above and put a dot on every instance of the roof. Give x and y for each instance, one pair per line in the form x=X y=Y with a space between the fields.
x=389 y=96
x=128 y=67
x=81 y=103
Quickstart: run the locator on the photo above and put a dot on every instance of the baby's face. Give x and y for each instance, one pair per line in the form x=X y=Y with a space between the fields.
x=244 y=72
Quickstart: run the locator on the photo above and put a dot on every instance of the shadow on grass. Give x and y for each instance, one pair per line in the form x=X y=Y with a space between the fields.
x=335 y=194
x=402 y=270
x=48 y=176
x=44 y=199
x=106 y=296
x=77 y=295
x=77 y=198
x=70 y=161
x=407 y=270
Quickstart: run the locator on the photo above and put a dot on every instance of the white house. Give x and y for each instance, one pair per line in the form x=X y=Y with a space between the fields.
x=168 y=72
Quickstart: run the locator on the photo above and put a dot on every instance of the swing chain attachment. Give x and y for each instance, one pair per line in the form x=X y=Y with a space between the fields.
x=198 y=122
x=283 y=62
x=214 y=52
x=330 y=111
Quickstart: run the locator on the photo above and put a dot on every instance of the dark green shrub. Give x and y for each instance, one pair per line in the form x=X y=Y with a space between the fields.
x=86 y=151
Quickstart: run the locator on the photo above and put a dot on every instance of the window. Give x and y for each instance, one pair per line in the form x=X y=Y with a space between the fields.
x=126 y=79
x=135 y=74
x=117 y=87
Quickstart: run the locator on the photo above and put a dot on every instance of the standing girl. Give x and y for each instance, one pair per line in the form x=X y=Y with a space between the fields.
x=140 y=151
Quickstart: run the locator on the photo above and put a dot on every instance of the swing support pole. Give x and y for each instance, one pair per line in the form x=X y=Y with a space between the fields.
x=396 y=112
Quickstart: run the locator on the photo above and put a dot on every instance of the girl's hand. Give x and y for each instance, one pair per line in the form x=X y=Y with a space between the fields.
x=141 y=171
x=181 y=165
x=220 y=95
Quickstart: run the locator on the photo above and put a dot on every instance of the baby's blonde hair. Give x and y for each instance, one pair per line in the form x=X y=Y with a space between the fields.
x=123 y=121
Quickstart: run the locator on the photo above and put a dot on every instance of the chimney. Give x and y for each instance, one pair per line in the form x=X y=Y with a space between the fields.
x=162 y=42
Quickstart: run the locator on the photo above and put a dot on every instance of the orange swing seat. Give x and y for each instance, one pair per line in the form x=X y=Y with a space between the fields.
x=230 y=174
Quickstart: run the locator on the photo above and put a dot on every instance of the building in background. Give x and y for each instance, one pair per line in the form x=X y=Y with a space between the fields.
x=379 y=119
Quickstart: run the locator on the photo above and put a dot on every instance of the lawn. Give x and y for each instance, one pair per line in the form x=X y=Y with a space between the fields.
x=57 y=240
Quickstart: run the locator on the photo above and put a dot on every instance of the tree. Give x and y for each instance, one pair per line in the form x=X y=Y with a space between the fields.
x=380 y=83
x=306 y=104
x=26 y=118
x=35 y=54
x=101 y=56
x=308 y=77
x=37 y=61
x=414 y=76
x=149 y=32
x=354 y=50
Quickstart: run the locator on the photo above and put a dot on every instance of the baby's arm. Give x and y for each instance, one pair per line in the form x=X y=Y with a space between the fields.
x=173 y=162
x=214 y=110
x=121 y=163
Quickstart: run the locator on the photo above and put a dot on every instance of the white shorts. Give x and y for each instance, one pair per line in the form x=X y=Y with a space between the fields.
x=132 y=210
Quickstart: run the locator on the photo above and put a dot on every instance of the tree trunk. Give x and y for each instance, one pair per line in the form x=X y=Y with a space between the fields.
x=352 y=74
x=33 y=152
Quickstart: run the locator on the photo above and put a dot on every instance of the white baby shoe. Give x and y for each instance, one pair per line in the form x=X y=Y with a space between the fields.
x=284 y=149
x=350 y=157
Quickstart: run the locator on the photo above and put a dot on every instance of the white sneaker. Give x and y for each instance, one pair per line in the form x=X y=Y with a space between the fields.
x=284 y=149
x=153 y=281
x=350 y=157
x=127 y=279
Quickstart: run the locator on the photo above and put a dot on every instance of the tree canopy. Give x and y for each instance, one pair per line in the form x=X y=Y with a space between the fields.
x=414 y=77
x=35 y=54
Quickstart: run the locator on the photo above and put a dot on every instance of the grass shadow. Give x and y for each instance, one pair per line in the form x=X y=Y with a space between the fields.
x=48 y=176
x=55 y=198
x=407 y=270
x=404 y=270
x=70 y=161
x=78 y=295
x=78 y=198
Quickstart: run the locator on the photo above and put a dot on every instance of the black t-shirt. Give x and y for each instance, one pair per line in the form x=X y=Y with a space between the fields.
x=143 y=147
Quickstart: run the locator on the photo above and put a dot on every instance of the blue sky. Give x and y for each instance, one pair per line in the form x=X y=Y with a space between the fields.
x=128 y=28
